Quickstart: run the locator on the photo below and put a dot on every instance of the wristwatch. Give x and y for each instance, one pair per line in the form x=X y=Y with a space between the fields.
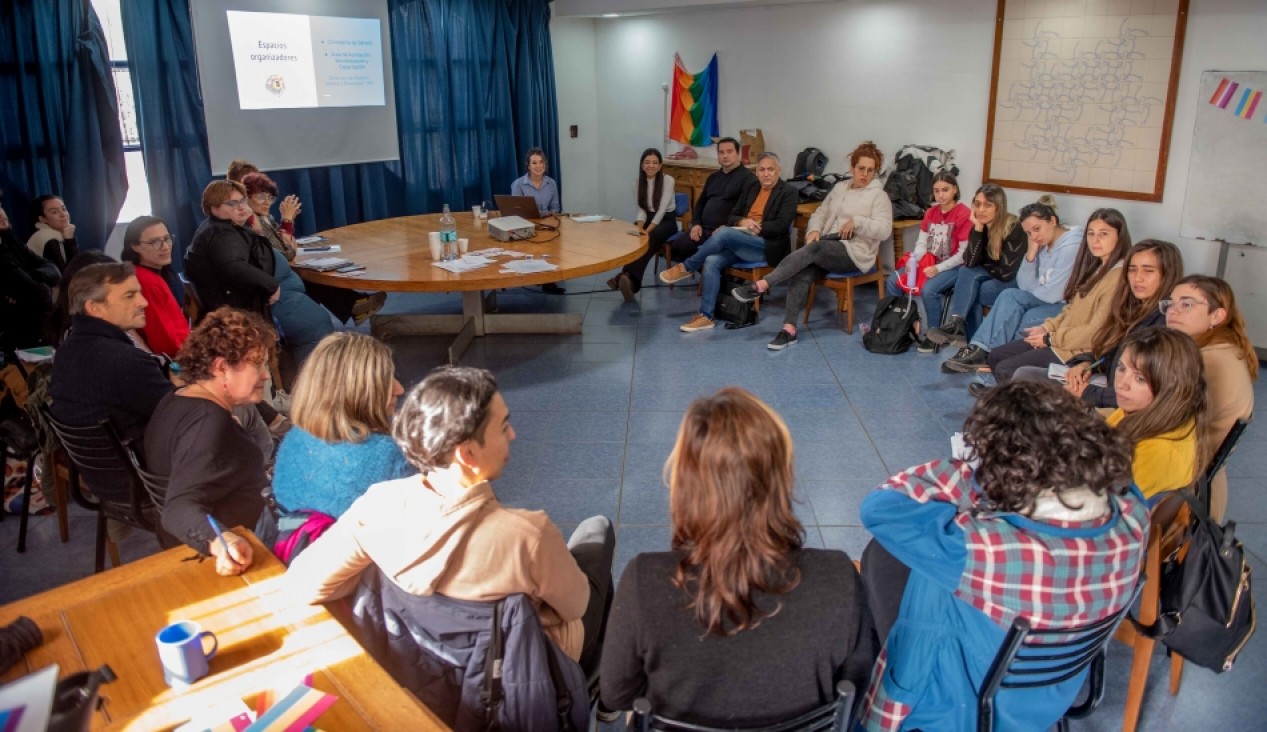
x=1047 y=339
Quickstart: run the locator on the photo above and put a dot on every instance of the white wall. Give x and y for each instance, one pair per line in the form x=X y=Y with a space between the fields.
x=572 y=40
x=833 y=74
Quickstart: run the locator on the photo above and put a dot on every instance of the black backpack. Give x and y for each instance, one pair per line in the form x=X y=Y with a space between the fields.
x=910 y=181
x=731 y=310
x=893 y=326
x=1207 y=612
x=809 y=162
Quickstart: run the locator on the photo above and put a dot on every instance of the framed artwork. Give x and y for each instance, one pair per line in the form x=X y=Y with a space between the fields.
x=1082 y=95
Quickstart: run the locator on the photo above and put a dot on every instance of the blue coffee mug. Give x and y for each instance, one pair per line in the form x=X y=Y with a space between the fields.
x=182 y=651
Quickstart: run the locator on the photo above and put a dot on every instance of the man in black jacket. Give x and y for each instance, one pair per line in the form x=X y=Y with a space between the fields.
x=26 y=290
x=98 y=372
x=759 y=230
x=714 y=203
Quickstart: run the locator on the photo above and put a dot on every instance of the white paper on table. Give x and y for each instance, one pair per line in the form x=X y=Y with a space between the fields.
x=465 y=263
x=310 y=239
x=34 y=694
x=590 y=219
x=330 y=248
x=216 y=715
x=528 y=266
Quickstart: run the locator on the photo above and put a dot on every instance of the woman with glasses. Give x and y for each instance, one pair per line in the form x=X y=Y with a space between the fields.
x=1205 y=308
x=148 y=244
x=214 y=467
x=343 y=303
x=228 y=263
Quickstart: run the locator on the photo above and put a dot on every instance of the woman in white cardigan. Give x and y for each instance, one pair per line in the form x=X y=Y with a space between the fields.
x=845 y=234
x=656 y=221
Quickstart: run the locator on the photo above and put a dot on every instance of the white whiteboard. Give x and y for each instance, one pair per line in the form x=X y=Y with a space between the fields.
x=1225 y=194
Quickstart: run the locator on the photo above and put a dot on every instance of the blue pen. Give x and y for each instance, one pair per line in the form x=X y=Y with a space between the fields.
x=316 y=249
x=215 y=525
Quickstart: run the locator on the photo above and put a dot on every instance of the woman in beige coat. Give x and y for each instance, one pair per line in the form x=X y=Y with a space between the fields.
x=1205 y=308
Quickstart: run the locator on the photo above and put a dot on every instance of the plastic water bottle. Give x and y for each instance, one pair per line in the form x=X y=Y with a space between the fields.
x=448 y=235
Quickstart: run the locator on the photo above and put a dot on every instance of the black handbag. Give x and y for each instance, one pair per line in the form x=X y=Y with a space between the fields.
x=730 y=309
x=1207 y=612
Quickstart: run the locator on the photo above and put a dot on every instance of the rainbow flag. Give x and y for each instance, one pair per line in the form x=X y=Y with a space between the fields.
x=1249 y=102
x=693 y=105
x=1225 y=92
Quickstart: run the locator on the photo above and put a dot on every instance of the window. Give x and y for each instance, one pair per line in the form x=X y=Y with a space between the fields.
x=138 y=200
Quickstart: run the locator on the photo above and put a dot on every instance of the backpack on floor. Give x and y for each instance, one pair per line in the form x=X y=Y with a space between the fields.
x=730 y=309
x=893 y=327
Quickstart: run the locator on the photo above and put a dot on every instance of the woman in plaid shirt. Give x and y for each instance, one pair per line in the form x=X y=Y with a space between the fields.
x=1048 y=526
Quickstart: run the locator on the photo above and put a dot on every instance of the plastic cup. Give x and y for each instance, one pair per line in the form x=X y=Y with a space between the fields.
x=462 y=245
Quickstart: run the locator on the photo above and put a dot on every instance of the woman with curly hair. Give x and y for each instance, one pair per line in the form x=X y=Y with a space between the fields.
x=1039 y=522
x=1205 y=308
x=739 y=591
x=843 y=235
x=1160 y=386
x=213 y=465
x=341 y=443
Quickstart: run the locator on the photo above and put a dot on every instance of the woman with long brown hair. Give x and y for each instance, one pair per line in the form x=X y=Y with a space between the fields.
x=1205 y=308
x=1160 y=387
x=1152 y=269
x=739 y=591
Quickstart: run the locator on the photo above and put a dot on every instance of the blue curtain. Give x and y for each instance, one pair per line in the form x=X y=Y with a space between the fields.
x=474 y=84
x=59 y=121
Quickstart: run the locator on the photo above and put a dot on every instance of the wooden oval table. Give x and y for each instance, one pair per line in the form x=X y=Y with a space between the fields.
x=397 y=258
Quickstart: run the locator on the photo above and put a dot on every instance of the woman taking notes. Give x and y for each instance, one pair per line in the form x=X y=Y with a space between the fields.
x=655 y=221
x=740 y=624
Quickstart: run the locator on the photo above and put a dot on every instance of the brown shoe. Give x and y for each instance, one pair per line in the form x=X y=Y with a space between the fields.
x=614 y=283
x=699 y=322
x=626 y=287
x=366 y=306
x=675 y=274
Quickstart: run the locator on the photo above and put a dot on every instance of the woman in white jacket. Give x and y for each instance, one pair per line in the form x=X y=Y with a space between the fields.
x=845 y=234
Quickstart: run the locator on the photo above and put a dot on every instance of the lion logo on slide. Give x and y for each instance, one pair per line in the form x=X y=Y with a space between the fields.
x=275 y=84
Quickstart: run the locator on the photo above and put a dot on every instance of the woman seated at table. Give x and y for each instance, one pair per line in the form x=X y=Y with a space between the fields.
x=537 y=184
x=1042 y=282
x=1205 y=308
x=214 y=466
x=1160 y=386
x=229 y=264
x=148 y=244
x=942 y=235
x=1151 y=271
x=341 y=443
x=1091 y=289
x=655 y=220
x=739 y=591
x=845 y=235
x=54 y=235
x=996 y=247
x=959 y=552
x=343 y=303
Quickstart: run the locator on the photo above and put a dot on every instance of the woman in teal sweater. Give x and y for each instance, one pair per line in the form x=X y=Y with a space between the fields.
x=341 y=443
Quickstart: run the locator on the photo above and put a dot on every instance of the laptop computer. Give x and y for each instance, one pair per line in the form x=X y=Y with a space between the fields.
x=524 y=206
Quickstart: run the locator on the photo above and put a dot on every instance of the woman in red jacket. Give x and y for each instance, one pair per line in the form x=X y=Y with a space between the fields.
x=148 y=244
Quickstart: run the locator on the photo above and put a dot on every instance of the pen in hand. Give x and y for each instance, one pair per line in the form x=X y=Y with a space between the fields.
x=215 y=526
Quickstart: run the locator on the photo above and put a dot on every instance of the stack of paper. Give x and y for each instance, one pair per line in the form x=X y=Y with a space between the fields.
x=466 y=263
x=528 y=266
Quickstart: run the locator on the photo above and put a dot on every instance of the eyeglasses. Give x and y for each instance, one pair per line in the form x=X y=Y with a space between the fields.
x=264 y=198
x=235 y=202
x=158 y=243
x=1183 y=304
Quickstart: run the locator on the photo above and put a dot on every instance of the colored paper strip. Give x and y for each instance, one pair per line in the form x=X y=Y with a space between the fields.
x=1253 y=105
x=9 y=719
x=1240 y=106
x=1218 y=93
x=1228 y=94
x=295 y=712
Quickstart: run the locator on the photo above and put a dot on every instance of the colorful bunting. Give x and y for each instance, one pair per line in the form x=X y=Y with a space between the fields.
x=693 y=104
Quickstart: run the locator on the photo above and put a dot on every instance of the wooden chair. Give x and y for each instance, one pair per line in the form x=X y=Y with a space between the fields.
x=835 y=716
x=682 y=210
x=1167 y=536
x=18 y=441
x=1030 y=659
x=843 y=284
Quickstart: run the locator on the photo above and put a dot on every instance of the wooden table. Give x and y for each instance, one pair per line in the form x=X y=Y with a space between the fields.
x=265 y=640
x=397 y=259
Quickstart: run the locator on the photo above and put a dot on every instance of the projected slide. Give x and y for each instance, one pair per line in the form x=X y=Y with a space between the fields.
x=286 y=61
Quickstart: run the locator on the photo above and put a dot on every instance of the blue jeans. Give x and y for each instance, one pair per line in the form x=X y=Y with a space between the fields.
x=1013 y=312
x=724 y=248
x=974 y=288
x=930 y=295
